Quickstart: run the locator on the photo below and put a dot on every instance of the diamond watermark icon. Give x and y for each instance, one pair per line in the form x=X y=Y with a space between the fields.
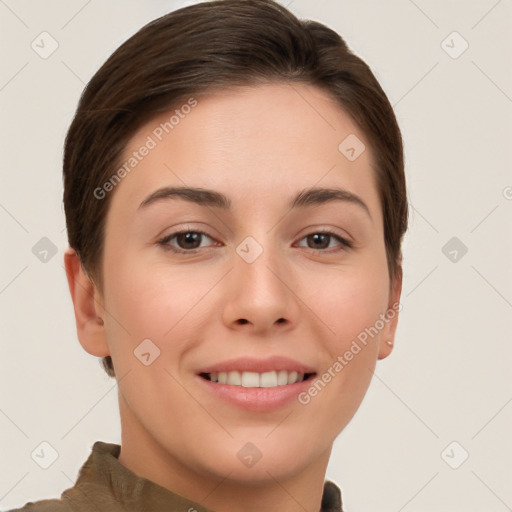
x=44 y=45
x=44 y=250
x=454 y=45
x=352 y=147
x=146 y=352
x=454 y=249
x=44 y=455
x=249 y=454
x=249 y=249
x=454 y=455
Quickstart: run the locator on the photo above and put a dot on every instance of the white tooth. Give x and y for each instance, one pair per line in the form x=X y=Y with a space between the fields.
x=282 y=378
x=234 y=378
x=268 y=380
x=292 y=377
x=255 y=379
x=250 y=380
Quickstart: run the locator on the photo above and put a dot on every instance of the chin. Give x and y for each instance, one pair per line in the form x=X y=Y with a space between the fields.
x=260 y=461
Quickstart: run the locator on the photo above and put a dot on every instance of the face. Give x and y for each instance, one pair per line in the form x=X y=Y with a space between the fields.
x=258 y=279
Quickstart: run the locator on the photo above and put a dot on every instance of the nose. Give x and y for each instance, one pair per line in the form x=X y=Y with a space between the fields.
x=260 y=295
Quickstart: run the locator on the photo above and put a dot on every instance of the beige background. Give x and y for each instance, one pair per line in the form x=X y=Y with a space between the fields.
x=449 y=377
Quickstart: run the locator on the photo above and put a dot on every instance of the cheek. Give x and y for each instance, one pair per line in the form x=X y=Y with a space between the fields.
x=351 y=305
x=155 y=302
x=350 y=300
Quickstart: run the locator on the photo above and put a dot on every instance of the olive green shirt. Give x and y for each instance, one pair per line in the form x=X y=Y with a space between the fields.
x=105 y=485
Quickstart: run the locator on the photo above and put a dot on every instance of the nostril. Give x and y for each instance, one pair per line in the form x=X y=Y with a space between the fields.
x=243 y=321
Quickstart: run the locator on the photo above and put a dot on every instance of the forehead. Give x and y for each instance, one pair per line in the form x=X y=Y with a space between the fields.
x=265 y=140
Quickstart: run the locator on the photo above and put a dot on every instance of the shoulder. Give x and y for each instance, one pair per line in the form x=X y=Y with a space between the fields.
x=53 y=505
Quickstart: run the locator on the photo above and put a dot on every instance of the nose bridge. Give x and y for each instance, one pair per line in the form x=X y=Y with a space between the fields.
x=256 y=262
x=260 y=290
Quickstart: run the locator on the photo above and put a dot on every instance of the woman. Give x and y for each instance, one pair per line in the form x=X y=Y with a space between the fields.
x=235 y=203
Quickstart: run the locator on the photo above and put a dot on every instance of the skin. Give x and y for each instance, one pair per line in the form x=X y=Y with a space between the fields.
x=259 y=146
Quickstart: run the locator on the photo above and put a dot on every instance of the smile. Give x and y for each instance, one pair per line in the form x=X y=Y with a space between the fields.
x=257 y=380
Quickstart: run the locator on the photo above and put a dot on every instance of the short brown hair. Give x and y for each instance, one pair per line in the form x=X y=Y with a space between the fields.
x=195 y=50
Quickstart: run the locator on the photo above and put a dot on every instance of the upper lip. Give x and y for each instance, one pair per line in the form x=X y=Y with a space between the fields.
x=247 y=364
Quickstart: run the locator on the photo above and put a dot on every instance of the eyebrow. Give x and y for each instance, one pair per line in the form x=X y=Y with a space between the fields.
x=205 y=197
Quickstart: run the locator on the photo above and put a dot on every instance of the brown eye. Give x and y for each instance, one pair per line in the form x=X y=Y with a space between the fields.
x=184 y=241
x=323 y=240
x=188 y=240
x=318 y=240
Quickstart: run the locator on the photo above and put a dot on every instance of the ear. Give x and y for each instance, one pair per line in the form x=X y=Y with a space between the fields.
x=387 y=338
x=88 y=305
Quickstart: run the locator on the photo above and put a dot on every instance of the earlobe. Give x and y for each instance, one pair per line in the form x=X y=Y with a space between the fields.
x=87 y=305
x=386 y=347
x=387 y=338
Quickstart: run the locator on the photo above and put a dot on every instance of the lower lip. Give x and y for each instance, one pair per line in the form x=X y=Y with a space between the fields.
x=257 y=399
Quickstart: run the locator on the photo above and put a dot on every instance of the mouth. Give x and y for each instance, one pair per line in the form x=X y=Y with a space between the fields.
x=245 y=379
x=258 y=385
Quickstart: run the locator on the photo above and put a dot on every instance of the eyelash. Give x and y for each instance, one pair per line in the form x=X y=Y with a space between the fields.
x=164 y=242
